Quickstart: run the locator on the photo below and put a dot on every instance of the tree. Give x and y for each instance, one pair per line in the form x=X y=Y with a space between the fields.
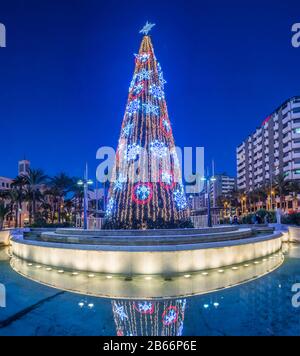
x=60 y=186
x=18 y=187
x=146 y=189
x=4 y=211
x=294 y=189
x=35 y=179
x=281 y=187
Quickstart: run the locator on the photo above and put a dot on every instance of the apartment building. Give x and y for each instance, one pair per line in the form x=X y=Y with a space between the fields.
x=273 y=149
x=221 y=186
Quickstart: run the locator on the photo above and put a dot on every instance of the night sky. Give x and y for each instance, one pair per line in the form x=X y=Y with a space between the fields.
x=65 y=73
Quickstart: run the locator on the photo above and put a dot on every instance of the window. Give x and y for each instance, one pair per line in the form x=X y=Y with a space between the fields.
x=296 y=121
x=297 y=171
x=297 y=161
x=297 y=141
x=296 y=110
x=297 y=131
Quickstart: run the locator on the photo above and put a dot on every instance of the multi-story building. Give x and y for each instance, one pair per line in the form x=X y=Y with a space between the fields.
x=273 y=149
x=5 y=185
x=222 y=185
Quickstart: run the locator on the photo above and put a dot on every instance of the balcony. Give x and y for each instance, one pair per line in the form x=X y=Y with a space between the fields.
x=288 y=167
x=287 y=119
x=287 y=138
x=296 y=155
x=287 y=158
x=296 y=145
x=285 y=130
x=287 y=148
x=295 y=135
x=295 y=125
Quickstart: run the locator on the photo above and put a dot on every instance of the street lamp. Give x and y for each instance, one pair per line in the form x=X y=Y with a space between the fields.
x=208 y=181
x=85 y=183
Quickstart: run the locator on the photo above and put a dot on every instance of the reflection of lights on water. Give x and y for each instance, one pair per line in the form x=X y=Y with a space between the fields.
x=221 y=271
x=75 y=274
x=61 y=271
x=246 y=265
x=187 y=276
x=29 y=264
x=216 y=305
x=235 y=268
x=205 y=306
x=204 y=274
x=81 y=304
x=91 y=305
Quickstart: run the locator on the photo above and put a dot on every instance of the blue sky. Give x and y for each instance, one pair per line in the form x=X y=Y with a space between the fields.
x=65 y=73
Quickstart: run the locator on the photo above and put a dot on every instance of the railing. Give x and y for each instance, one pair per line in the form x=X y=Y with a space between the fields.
x=93 y=223
x=199 y=222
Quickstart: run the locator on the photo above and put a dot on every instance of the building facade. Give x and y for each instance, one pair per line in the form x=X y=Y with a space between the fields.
x=222 y=185
x=273 y=149
x=5 y=185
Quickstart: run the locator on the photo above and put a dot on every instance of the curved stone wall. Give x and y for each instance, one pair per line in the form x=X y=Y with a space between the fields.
x=147 y=260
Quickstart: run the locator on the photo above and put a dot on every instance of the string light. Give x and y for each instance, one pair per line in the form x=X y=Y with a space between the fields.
x=110 y=207
x=127 y=130
x=144 y=74
x=133 y=107
x=149 y=108
x=146 y=125
x=156 y=92
x=142 y=193
x=180 y=199
x=159 y=149
x=132 y=152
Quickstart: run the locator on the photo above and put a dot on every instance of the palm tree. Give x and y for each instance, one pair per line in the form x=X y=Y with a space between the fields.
x=4 y=211
x=294 y=188
x=281 y=186
x=60 y=185
x=18 y=187
x=34 y=180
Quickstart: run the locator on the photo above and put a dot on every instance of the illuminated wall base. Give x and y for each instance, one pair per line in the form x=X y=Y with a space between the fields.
x=144 y=260
x=4 y=237
x=294 y=234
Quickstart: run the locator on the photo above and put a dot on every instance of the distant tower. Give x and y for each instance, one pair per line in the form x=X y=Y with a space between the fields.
x=24 y=167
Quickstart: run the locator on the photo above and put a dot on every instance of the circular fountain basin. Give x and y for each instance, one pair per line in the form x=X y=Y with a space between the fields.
x=147 y=287
x=155 y=252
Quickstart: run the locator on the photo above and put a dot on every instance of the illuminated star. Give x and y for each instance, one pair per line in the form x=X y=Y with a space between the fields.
x=147 y=28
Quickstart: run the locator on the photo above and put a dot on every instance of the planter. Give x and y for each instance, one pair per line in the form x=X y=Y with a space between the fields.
x=294 y=233
x=4 y=237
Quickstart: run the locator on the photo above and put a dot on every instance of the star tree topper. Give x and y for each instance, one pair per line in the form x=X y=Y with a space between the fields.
x=147 y=28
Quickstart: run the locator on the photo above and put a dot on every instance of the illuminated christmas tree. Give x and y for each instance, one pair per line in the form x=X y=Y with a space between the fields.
x=146 y=190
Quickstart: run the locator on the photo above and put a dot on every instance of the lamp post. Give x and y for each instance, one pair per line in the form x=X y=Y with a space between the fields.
x=208 y=181
x=85 y=183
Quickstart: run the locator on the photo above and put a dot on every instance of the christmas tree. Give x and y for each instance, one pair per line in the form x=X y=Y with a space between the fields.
x=146 y=190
